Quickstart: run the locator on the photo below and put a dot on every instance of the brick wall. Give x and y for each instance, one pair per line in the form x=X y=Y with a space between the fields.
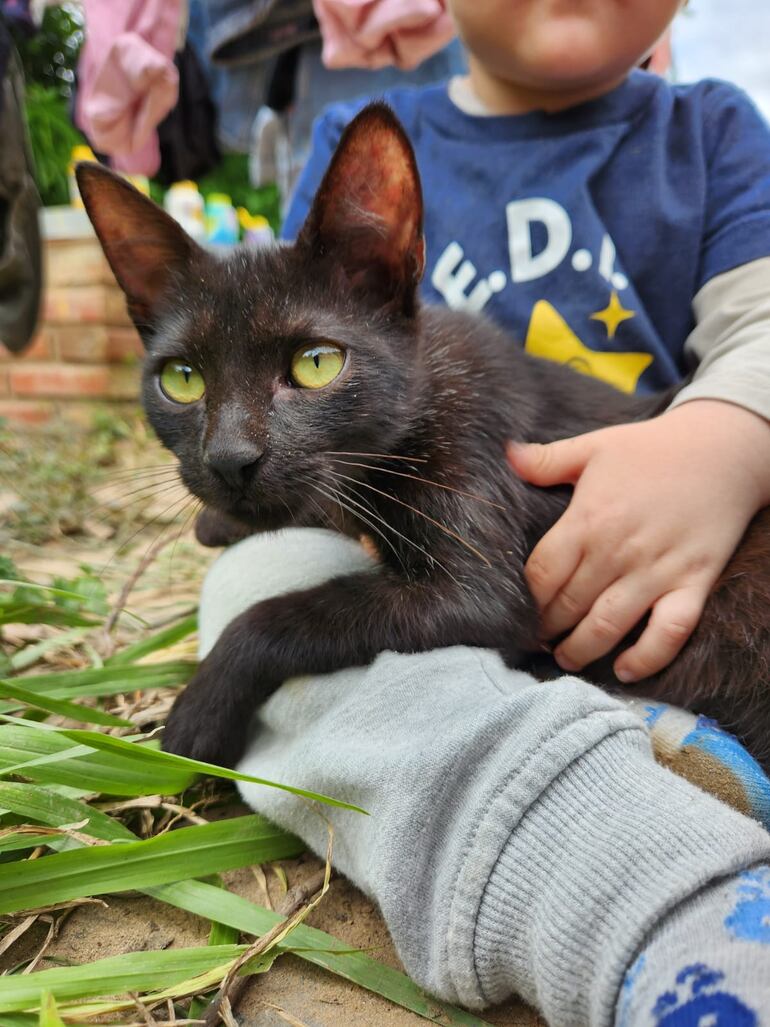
x=86 y=353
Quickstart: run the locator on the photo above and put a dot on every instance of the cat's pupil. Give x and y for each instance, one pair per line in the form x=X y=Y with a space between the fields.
x=317 y=359
x=186 y=371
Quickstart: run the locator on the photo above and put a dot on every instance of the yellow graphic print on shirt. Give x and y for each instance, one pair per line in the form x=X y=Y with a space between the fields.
x=550 y=336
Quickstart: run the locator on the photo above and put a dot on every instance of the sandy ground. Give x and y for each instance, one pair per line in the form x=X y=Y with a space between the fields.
x=293 y=988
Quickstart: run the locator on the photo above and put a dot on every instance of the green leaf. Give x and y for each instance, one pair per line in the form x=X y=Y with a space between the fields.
x=49 y=1014
x=154 y=757
x=168 y=637
x=30 y=654
x=219 y=905
x=107 y=680
x=53 y=590
x=54 y=616
x=222 y=934
x=86 y=714
x=40 y=805
x=132 y=972
x=316 y=947
x=20 y=841
x=125 y=866
x=24 y=748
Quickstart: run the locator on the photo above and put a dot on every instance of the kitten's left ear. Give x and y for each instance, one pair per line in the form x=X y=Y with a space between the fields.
x=143 y=245
x=367 y=213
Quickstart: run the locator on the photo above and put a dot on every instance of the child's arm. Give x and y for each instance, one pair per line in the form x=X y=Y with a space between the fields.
x=660 y=506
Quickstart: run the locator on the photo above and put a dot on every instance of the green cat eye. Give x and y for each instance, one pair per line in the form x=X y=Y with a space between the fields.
x=181 y=382
x=316 y=366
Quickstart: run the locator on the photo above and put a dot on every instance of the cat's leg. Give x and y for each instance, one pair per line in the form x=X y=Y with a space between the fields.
x=317 y=627
x=507 y=817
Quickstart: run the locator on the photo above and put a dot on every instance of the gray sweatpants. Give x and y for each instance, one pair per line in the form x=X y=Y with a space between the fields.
x=521 y=838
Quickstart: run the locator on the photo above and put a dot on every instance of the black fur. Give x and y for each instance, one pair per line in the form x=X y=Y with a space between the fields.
x=430 y=395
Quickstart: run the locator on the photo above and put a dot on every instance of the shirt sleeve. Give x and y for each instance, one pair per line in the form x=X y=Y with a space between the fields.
x=326 y=134
x=736 y=226
x=731 y=340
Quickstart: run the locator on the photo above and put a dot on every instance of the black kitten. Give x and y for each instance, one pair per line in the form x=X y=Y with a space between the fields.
x=306 y=385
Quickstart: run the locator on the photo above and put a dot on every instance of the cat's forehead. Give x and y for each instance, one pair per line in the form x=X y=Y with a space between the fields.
x=231 y=305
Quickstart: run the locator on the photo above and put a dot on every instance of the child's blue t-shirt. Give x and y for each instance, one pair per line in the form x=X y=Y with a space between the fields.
x=585 y=233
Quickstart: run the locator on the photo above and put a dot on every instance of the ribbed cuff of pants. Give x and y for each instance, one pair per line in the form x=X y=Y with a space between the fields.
x=607 y=853
x=521 y=838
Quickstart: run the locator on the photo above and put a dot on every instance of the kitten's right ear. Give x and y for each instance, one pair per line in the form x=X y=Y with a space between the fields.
x=367 y=213
x=142 y=244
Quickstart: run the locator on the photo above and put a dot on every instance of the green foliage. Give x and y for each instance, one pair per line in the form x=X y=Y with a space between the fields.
x=50 y=56
x=60 y=772
x=49 y=59
x=52 y=137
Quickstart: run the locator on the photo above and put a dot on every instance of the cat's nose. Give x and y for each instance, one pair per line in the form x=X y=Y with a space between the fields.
x=235 y=463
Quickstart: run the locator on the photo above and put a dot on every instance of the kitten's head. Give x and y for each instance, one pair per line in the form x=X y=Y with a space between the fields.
x=260 y=365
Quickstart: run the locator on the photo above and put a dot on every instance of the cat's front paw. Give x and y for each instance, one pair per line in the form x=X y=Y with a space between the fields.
x=204 y=723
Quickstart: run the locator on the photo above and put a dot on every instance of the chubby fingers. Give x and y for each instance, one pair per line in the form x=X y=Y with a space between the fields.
x=674 y=618
x=558 y=554
x=619 y=609
x=555 y=463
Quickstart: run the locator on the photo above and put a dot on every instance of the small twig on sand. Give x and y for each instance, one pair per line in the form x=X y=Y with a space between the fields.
x=53 y=931
x=141 y=1008
x=15 y=933
x=232 y=987
x=141 y=567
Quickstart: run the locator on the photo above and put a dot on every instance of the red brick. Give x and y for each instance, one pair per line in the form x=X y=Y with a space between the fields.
x=124 y=345
x=75 y=262
x=39 y=349
x=82 y=343
x=61 y=380
x=76 y=304
x=26 y=414
x=115 y=312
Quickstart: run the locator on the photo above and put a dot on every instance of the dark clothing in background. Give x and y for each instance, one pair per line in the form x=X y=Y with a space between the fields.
x=187 y=135
x=20 y=253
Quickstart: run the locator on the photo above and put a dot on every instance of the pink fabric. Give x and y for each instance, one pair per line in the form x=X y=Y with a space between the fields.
x=375 y=33
x=127 y=79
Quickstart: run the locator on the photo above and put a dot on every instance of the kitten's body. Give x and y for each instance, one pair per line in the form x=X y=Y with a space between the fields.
x=405 y=445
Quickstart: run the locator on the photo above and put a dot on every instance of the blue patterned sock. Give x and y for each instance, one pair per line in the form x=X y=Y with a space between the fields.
x=708 y=964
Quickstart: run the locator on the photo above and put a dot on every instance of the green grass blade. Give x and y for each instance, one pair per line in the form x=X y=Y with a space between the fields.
x=110 y=773
x=42 y=806
x=54 y=616
x=49 y=1014
x=30 y=654
x=116 y=975
x=223 y=907
x=52 y=590
x=154 y=757
x=126 y=866
x=20 y=841
x=168 y=637
x=316 y=947
x=61 y=706
x=106 y=680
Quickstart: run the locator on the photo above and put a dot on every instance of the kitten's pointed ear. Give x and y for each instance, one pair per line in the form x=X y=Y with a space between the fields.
x=143 y=245
x=367 y=214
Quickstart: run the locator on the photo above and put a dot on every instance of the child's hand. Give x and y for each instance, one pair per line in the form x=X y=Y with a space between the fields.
x=657 y=511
